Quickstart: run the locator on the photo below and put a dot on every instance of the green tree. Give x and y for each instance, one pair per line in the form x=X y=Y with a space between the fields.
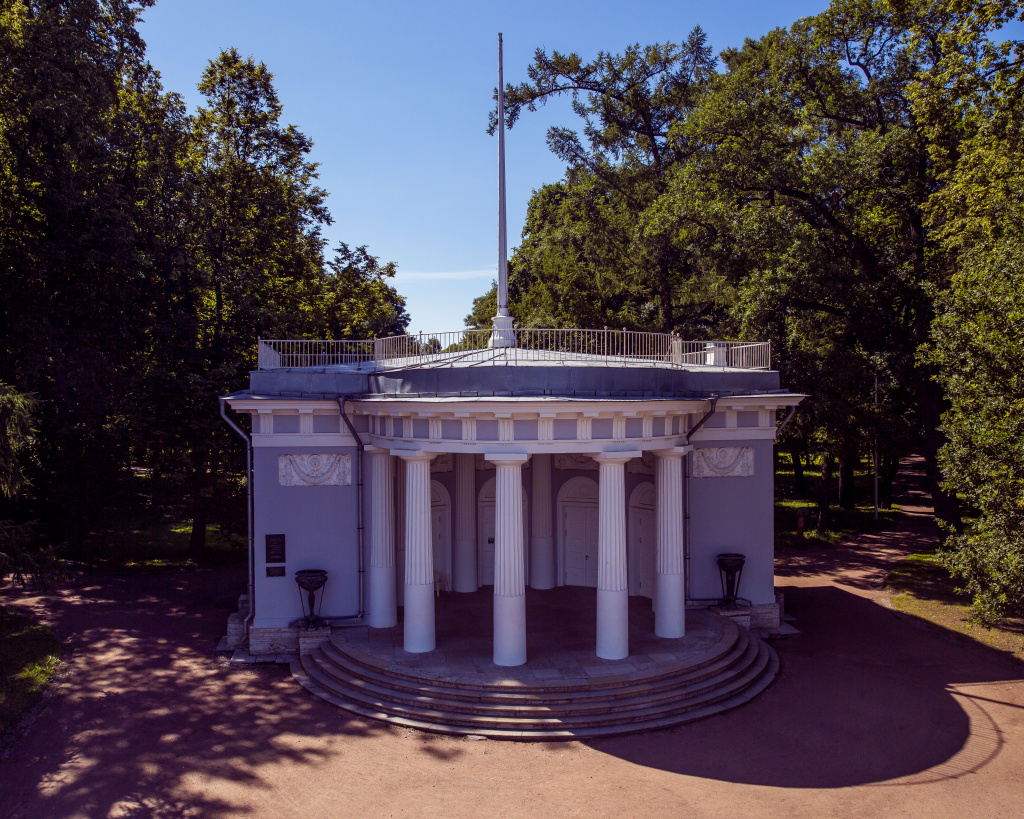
x=978 y=336
x=75 y=238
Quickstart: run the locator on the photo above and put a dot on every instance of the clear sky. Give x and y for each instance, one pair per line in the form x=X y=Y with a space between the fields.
x=395 y=96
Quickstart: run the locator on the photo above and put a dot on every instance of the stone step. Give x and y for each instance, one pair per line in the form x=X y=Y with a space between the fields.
x=355 y=657
x=757 y=682
x=339 y=664
x=638 y=694
x=476 y=717
x=435 y=714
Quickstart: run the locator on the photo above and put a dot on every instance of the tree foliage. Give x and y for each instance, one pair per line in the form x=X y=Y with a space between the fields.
x=143 y=250
x=978 y=336
x=785 y=196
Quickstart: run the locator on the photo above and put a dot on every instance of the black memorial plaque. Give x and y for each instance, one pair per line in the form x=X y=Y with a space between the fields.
x=275 y=571
x=275 y=549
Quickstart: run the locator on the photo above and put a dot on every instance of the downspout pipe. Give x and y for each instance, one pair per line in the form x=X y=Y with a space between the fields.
x=686 y=504
x=341 y=399
x=704 y=419
x=786 y=420
x=250 y=512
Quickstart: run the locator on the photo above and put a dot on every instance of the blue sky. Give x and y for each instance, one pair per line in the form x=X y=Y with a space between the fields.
x=395 y=96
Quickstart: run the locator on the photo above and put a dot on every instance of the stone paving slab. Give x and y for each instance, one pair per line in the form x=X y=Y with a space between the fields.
x=561 y=639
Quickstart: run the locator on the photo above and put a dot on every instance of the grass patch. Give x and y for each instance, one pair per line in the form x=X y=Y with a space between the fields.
x=924 y=589
x=842 y=523
x=29 y=655
x=158 y=547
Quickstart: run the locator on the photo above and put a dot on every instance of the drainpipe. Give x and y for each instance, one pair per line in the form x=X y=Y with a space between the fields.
x=786 y=420
x=686 y=502
x=704 y=419
x=250 y=519
x=341 y=399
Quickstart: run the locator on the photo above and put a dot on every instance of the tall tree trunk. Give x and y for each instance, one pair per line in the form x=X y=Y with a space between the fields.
x=932 y=403
x=197 y=539
x=847 y=494
x=888 y=466
x=799 y=479
x=826 y=479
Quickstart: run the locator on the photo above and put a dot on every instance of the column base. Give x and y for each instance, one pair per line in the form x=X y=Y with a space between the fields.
x=419 y=618
x=542 y=562
x=670 y=613
x=382 y=603
x=612 y=624
x=464 y=573
x=509 y=630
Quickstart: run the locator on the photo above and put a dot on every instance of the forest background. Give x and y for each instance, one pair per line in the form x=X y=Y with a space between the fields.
x=849 y=188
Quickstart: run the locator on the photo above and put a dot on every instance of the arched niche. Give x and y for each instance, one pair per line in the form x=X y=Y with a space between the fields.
x=641 y=539
x=577 y=527
x=441 y=528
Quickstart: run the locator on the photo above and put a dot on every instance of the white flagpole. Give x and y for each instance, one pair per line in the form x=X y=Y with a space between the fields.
x=502 y=335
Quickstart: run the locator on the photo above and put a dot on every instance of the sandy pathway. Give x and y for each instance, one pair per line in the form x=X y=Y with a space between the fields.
x=874 y=715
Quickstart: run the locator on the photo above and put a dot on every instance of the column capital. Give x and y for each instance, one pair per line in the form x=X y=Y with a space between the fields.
x=414 y=455
x=616 y=457
x=674 y=452
x=506 y=458
x=371 y=449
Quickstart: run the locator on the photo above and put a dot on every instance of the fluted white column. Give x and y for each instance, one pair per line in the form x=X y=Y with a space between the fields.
x=542 y=544
x=381 y=603
x=509 y=568
x=612 y=594
x=670 y=580
x=464 y=569
x=399 y=499
x=419 y=553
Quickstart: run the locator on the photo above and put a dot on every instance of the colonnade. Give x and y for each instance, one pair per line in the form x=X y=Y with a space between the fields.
x=509 y=556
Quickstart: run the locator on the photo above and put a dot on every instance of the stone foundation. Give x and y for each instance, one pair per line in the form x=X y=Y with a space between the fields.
x=273 y=640
x=236 y=630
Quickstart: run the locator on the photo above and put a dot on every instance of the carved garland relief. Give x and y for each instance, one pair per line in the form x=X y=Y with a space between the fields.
x=314 y=470
x=723 y=462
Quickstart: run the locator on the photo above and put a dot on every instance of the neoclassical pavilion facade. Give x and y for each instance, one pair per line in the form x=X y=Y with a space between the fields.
x=514 y=459
x=407 y=468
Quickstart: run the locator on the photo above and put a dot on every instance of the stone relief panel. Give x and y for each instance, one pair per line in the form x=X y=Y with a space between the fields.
x=568 y=460
x=442 y=463
x=314 y=470
x=644 y=465
x=723 y=462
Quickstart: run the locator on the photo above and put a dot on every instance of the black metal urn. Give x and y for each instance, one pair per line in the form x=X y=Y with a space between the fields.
x=730 y=570
x=310 y=581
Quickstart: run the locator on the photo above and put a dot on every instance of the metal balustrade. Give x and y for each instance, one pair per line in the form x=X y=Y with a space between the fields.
x=608 y=348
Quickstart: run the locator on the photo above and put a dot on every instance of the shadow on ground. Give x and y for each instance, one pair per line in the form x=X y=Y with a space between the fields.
x=865 y=695
x=149 y=705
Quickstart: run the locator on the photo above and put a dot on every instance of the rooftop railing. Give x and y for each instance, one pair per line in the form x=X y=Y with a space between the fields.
x=608 y=348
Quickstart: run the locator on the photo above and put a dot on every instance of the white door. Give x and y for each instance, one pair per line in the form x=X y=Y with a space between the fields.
x=643 y=545
x=441 y=529
x=485 y=554
x=579 y=533
x=485 y=534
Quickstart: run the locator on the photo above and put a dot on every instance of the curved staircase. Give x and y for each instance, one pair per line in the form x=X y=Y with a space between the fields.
x=738 y=667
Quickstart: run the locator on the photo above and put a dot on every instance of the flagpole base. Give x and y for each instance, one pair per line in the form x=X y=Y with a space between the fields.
x=503 y=335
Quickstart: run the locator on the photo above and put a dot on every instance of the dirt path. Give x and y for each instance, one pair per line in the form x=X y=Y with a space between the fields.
x=872 y=716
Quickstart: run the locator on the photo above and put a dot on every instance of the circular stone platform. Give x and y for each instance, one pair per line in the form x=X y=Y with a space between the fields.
x=564 y=691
